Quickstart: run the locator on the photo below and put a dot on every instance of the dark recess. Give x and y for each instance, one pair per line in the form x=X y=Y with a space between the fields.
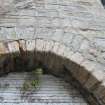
x=103 y=2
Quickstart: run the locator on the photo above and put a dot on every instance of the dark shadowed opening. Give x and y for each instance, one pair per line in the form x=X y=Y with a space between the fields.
x=103 y=3
x=27 y=61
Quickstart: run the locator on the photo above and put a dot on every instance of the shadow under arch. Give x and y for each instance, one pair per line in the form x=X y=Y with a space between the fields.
x=53 y=57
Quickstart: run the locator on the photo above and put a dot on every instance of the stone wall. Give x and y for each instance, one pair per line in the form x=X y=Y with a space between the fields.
x=73 y=29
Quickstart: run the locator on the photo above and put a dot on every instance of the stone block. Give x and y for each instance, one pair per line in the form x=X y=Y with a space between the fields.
x=55 y=47
x=76 y=42
x=27 y=21
x=44 y=32
x=56 y=22
x=79 y=73
x=67 y=37
x=82 y=75
x=23 y=51
x=86 y=67
x=43 y=22
x=50 y=60
x=84 y=46
x=30 y=45
x=66 y=22
x=22 y=45
x=73 y=68
x=39 y=46
x=51 y=1
x=49 y=45
x=89 y=65
x=77 y=58
x=51 y=6
x=57 y=35
x=13 y=46
x=95 y=78
x=47 y=55
x=23 y=32
x=3 y=48
x=91 y=83
x=61 y=50
x=48 y=13
x=55 y=64
x=99 y=91
x=101 y=58
x=6 y=64
x=68 y=53
x=9 y=33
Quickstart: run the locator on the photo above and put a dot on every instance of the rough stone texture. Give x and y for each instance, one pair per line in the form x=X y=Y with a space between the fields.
x=71 y=32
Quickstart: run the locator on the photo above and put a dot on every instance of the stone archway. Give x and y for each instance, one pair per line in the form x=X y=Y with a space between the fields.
x=70 y=32
x=59 y=60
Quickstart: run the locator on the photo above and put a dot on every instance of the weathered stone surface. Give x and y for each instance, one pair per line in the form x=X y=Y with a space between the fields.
x=95 y=78
x=74 y=29
x=89 y=65
x=39 y=46
x=85 y=71
x=3 y=48
x=22 y=45
x=68 y=53
x=56 y=57
x=77 y=57
x=76 y=42
x=30 y=44
x=61 y=50
x=13 y=47
x=48 y=45
x=100 y=90
x=55 y=47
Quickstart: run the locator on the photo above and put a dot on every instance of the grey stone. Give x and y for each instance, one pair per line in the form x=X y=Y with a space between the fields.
x=73 y=29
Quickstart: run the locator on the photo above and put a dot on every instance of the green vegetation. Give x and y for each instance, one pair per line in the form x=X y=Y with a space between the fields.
x=34 y=83
x=35 y=80
x=25 y=87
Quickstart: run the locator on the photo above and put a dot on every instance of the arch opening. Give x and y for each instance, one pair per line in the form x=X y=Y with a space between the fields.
x=16 y=63
x=20 y=55
x=103 y=3
x=61 y=20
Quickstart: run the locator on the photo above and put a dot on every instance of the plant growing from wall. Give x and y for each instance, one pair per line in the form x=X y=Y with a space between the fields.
x=36 y=74
x=35 y=81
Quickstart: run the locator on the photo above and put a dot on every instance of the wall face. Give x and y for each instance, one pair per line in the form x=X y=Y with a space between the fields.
x=77 y=24
x=73 y=22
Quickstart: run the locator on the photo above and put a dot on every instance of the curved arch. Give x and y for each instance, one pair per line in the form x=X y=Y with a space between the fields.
x=59 y=60
x=59 y=21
